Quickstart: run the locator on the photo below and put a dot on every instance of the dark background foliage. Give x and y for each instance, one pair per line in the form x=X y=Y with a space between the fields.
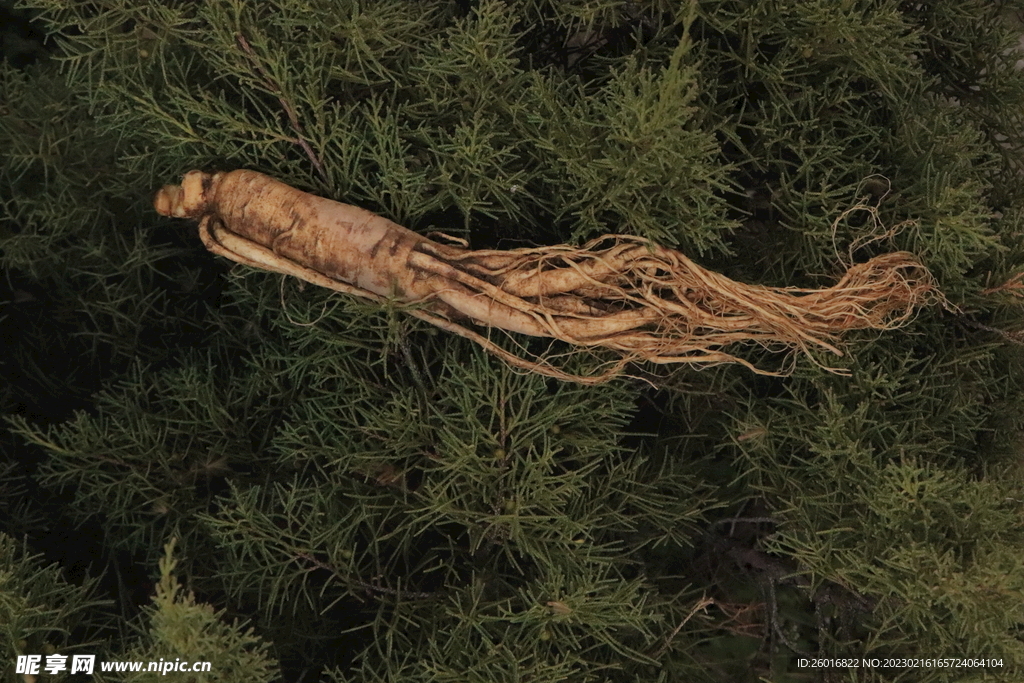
x=379 y=501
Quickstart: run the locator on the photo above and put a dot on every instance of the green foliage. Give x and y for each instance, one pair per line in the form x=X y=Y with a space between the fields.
x=41 y=613
x=383 y=502
x=632 y=152
x=180 y=628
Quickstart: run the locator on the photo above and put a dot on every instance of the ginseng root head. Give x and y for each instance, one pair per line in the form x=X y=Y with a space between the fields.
x=191 y=199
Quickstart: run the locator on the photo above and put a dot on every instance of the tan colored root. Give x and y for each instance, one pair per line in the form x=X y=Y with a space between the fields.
x=654 y=304
x=619 y=292
x=224 y=242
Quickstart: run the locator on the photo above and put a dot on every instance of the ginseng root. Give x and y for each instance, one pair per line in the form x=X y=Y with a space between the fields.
x=620 y=292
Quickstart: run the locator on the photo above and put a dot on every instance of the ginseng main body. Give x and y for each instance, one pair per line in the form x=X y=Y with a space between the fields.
x=620 y=292
x=286 y=227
